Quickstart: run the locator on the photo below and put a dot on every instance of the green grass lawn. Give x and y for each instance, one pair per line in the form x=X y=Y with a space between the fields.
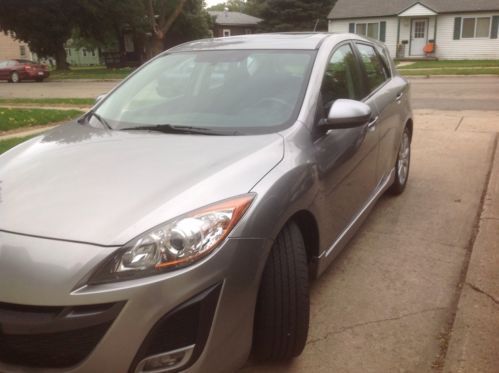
x=11 y=119
x=451 y=64
x=450 y=71
x=10 y=143
x=48 y=101
x=93 y=72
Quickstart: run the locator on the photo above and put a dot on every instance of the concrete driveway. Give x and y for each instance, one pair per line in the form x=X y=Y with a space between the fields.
x=387 y=303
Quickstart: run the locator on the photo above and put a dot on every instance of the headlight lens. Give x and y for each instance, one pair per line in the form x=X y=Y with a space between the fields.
x=175 y=244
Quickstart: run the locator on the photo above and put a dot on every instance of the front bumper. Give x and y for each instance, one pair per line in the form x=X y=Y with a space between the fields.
x=37 y=272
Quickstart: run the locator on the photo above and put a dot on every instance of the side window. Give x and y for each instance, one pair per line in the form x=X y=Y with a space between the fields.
x=375 y=68
x=342 y=79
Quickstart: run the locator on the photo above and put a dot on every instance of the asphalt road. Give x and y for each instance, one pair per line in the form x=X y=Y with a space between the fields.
x=463 y=93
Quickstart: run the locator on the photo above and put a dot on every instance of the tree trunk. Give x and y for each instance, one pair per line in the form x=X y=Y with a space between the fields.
x=157 y=45
x=61 y=59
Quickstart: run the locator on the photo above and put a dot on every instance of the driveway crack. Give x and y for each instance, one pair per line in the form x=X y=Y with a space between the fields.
x=478 y=290
x=373 y=322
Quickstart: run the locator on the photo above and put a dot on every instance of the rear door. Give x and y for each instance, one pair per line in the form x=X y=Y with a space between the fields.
x=384 y=92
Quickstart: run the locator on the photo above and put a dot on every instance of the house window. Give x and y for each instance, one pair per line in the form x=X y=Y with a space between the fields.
x=22 y=50
x=69 y=52
x=93 y=52
x=476 y=27
x=248 y=31
x=368 y=29
x=84 y=52
x=226 y=32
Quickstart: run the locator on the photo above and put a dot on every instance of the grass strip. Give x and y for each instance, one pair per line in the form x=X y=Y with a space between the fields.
x=11 y=119
x=10 y=143
x=48 y=101
x=450 y=64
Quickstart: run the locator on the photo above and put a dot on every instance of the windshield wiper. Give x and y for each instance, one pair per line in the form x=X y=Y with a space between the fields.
x=91 y=114
x=168 y=128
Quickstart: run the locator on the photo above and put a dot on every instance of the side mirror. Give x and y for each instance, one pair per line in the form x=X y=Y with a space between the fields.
x=347 y=114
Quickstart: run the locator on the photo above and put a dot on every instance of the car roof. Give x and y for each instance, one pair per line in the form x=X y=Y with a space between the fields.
x=298 y=41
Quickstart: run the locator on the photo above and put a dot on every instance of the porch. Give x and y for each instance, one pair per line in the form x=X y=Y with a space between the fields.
x=417 y=27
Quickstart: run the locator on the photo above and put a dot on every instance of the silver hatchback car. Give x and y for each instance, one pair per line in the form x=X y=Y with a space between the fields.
x=175 y=226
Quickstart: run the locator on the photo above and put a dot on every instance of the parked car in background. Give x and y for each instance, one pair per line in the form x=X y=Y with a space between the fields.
x=15 y=71
x=173 y=228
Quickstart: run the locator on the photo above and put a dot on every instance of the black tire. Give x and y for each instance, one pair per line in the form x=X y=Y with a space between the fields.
x=400 y=182
x=15 y=78
x=39 y=80
x=283 y=305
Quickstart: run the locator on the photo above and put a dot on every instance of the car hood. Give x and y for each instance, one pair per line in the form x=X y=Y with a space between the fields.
x=106 y=187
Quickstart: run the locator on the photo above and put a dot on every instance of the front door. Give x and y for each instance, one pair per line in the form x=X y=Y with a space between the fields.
x=418 y=36
x=346 y=158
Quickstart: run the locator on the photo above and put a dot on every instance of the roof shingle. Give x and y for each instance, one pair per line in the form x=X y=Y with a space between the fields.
x=379 y=8
x=233 y=18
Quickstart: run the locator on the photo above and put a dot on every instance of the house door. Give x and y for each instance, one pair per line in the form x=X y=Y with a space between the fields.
x=418 y=37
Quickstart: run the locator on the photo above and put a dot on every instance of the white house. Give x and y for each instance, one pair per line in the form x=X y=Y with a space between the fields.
x=459 y=29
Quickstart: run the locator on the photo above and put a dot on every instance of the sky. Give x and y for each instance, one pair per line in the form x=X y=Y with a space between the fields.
x=213 y=2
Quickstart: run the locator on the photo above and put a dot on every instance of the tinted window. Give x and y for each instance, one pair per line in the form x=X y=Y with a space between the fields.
x=373 y=65
x=341 y=79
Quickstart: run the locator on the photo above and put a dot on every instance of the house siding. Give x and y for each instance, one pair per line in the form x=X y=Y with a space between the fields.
x=448 y=48
x=11 y=48
x=342 y=26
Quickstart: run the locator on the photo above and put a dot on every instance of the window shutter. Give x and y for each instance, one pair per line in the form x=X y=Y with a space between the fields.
x=382 y=31
x=457 y=28
x=495 y=27
x=351 y=28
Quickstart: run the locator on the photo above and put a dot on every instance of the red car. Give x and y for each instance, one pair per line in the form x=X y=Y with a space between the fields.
x=16 y=70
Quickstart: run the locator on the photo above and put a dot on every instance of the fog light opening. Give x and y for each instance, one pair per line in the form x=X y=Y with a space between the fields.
x=166 y=361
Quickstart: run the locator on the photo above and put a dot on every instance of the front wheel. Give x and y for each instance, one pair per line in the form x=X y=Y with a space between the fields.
x=282 y=311
x=402 y=165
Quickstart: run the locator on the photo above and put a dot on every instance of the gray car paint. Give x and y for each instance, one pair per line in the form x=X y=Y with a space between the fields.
x=92 y=178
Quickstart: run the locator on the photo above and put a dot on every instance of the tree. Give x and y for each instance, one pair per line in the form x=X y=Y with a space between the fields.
x=293 y=15
x=162 y=14
x=45 y=25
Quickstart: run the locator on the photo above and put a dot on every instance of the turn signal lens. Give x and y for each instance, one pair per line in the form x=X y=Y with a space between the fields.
x=175 y=244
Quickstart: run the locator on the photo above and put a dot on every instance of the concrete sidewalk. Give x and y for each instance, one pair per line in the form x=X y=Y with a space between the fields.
x=474 y=342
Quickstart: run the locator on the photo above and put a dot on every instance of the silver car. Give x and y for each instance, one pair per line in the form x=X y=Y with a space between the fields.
x=176 y=225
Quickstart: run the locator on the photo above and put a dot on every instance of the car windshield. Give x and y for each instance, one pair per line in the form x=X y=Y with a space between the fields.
x=237 y=91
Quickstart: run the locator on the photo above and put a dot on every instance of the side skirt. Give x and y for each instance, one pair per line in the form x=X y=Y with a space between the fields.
x=325 y=259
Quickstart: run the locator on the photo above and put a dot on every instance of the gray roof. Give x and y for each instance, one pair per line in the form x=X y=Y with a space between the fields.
x=377 y=8
x=233 y=18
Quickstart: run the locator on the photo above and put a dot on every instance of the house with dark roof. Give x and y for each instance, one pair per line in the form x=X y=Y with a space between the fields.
x=445 y=29
x=227 y=23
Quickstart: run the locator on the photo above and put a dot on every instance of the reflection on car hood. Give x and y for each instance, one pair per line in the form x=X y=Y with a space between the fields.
x=106 y=187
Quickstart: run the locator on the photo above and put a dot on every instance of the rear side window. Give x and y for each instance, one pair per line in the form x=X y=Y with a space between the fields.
x=375 y=68
x=341 y=79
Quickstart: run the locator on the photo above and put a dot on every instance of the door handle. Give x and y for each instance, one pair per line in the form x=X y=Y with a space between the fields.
x=399 y=97
x=371 y=126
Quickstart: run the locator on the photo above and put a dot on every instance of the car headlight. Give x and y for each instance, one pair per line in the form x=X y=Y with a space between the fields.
x=175 y=244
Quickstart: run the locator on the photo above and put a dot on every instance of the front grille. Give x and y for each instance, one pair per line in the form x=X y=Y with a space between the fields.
x=52 y=337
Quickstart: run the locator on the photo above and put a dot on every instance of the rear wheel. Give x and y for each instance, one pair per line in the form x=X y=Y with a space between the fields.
x=282 y=311
x=15 y=78
x=39 y=80
x=403 y=164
